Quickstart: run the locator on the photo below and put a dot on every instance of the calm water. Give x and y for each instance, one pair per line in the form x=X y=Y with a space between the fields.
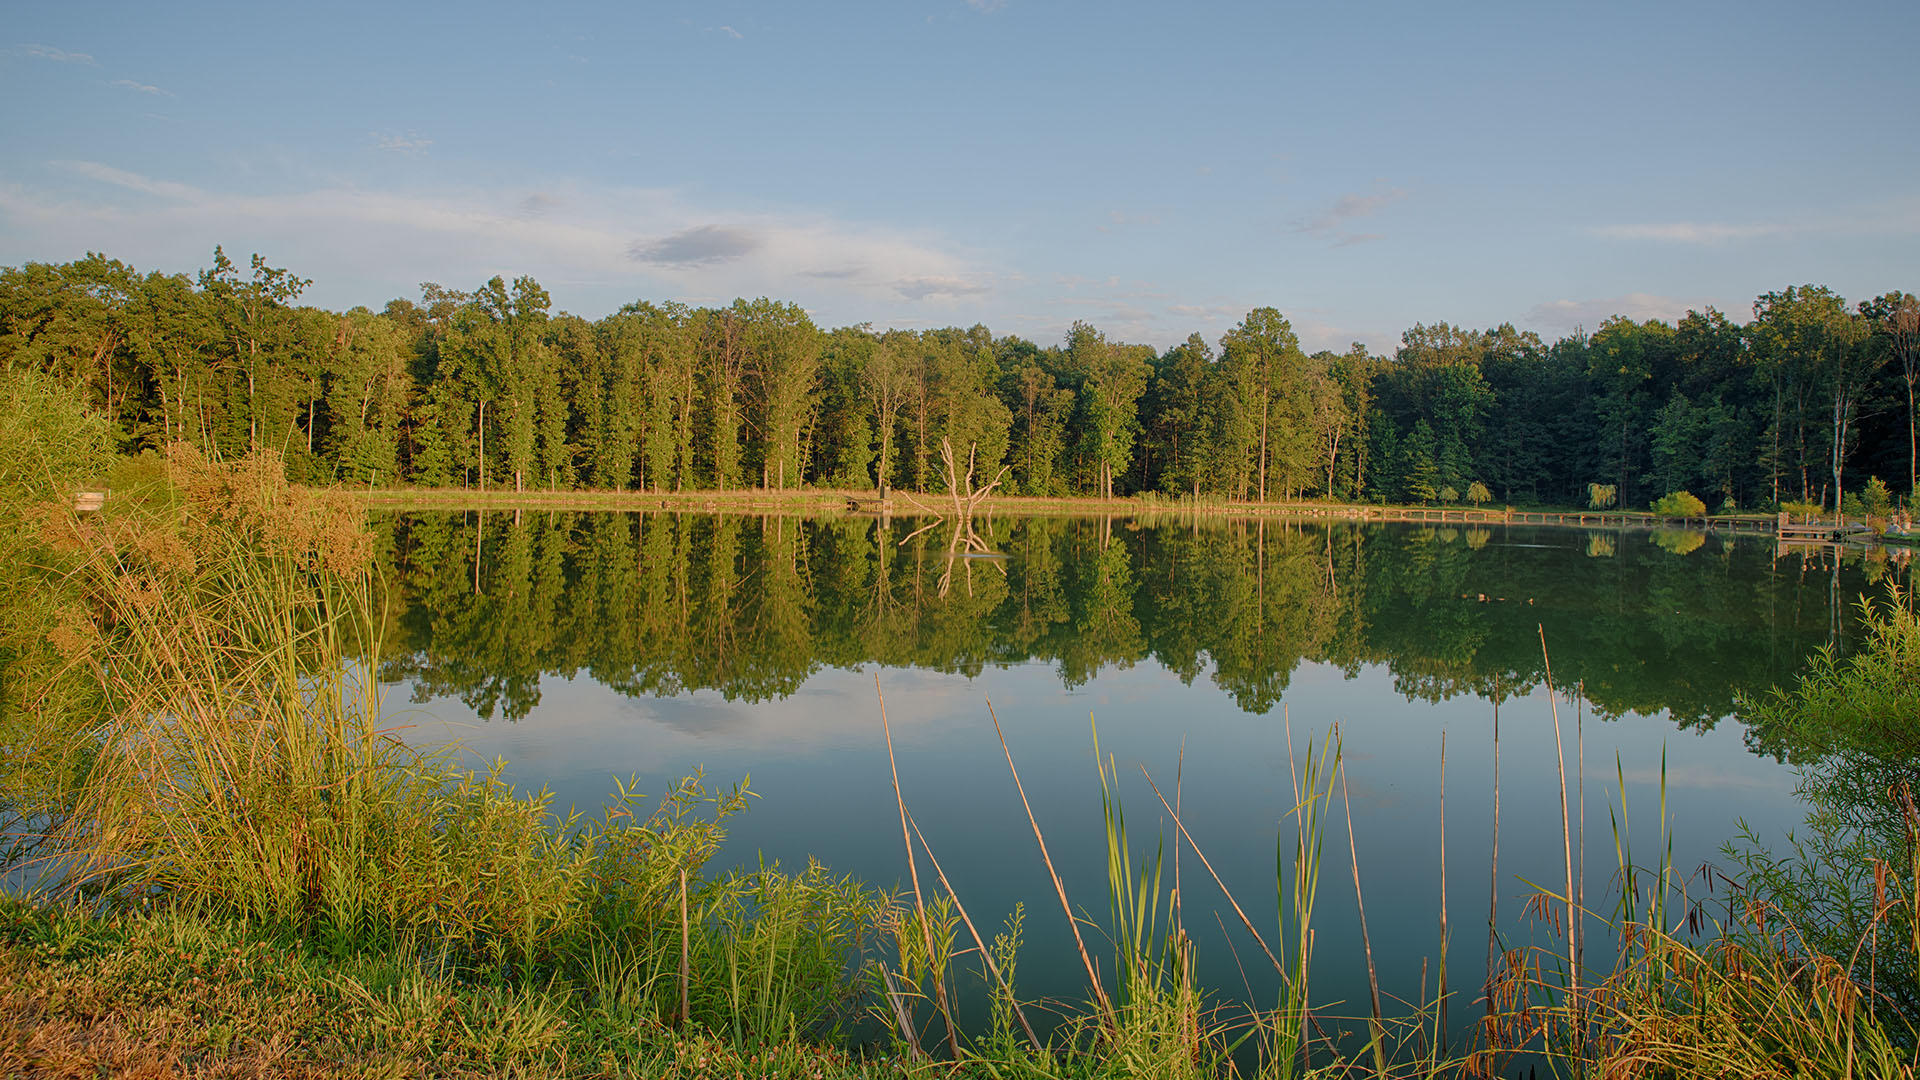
x=587 y=646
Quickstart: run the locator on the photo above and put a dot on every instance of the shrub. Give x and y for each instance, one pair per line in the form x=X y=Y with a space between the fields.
x=1679 y=504
x=1600 y=496
x=1478 y=494
x=1448 y=495
x=1875 y=499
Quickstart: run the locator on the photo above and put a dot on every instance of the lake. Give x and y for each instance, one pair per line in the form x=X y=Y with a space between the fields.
x=588 y=646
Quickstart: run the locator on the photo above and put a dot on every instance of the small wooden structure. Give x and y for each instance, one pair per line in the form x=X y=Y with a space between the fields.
x=1817 y=532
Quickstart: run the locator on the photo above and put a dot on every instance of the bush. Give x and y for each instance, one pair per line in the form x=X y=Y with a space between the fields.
x=1679 y=504
x=1845 y=726
x=1875 y=499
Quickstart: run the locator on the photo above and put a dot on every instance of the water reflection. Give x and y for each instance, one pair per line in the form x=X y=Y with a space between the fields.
x=657 y=605
x=658 y=643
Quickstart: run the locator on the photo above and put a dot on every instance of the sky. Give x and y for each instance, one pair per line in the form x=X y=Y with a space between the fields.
x=1155 y=170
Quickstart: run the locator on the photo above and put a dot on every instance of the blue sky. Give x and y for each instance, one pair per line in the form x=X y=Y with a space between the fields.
x=1153 y=169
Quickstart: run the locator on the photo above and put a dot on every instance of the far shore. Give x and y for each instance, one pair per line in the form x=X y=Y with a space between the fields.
x=830 y=501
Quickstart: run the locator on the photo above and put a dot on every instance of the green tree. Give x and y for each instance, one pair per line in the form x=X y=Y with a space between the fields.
x=1175 y=402
x=724 y=336
x=1896 y=319
x=253 y=316
x=1622 y=357
x=1114 y=378
x=1809 y=331
x=783 y=350
x=367 y=398
x=1266 y=356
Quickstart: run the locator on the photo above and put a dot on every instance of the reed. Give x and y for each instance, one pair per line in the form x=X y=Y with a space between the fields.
x=242 y=771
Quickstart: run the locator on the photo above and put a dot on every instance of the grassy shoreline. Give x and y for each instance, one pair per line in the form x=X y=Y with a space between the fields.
x=171 y=994
x=824 y=501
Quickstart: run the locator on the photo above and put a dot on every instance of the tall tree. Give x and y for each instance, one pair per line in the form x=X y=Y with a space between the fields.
x=1810 y=330
x=1896 y=318
x=1265 y=352
x=887 y=383
x=1114 y=378
x=366 y=396
x=1175 y=403
x=252 y=313
x=784 y=361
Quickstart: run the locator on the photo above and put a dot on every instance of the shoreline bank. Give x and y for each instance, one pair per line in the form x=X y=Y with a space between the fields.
x=830 y=501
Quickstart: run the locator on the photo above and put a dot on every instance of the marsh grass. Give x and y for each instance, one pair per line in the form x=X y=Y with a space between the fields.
x=239 y=770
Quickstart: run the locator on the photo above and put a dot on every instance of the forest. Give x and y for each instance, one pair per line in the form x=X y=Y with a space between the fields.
x=492 y=388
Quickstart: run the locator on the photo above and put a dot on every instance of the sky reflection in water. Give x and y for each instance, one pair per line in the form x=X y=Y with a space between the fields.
x=1739 y=619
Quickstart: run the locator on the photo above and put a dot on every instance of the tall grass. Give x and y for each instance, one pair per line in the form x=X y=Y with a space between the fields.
x=240 y=769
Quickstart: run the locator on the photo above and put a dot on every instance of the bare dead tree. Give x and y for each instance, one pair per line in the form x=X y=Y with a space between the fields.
x=963 y=542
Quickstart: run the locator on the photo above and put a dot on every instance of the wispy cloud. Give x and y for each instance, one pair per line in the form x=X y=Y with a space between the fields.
x=131 y=181
x=1332 y=222
x=573 y=237
x=1562 y=316
x=1205 y=313
x=986 y=5
x=922 y=288
x=1899 y=216
x=58 y=56
x=399 y=142
x=1691 y=232
x=702 y=245
x=1074 y=282
x=539 y=203
x=1352 y=206
x=732 y=33
x=1120 y=219
x=139 y=87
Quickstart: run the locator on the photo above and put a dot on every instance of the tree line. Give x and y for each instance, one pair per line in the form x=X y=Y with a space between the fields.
x=493 y=388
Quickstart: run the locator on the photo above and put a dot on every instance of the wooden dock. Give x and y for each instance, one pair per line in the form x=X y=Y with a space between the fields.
x=1455 y=515
x=1819 y=532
